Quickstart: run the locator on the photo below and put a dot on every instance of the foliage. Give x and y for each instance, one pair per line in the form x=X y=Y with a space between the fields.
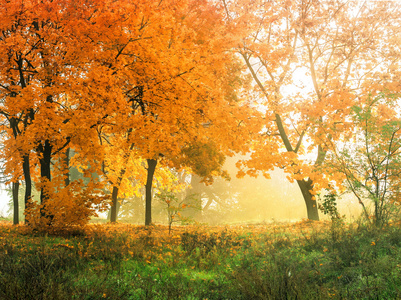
x=328 y=205
x=70 y=208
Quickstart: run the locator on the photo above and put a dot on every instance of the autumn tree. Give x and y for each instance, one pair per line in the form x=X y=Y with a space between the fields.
x=341 y=50
x=48 y=87
x=179 y=82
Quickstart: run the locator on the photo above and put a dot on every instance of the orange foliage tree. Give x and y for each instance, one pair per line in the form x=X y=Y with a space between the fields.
x=342 y=51
x=181 y=86
x=148 y=79
x=49 y=89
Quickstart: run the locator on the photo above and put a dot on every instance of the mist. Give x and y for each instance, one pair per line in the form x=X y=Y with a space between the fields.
x=261 y=200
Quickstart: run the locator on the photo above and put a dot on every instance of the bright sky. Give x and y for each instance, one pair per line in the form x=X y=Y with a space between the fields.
x=3 y=201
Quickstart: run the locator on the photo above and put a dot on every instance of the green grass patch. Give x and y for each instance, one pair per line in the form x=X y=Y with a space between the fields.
x=307 y=260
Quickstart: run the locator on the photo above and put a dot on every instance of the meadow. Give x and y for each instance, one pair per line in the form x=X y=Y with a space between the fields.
x=304 y=260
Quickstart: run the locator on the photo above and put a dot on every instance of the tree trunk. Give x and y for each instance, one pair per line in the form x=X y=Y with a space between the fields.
x=28 y=181
x=45 y=154
x=67 y=167
x=311 y=205
x=148 y=203
x=116 y=186
x=114 y=196
x=113 y=208
x=15 y=187
x=45 y=170
x=118 y=206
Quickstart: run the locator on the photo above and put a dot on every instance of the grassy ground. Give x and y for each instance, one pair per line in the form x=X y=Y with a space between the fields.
x=306 y=260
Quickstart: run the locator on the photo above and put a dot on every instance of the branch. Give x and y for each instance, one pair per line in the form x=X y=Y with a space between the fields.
x=299 y=141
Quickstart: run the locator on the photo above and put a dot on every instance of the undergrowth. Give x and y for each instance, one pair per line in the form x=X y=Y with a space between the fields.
x=306 y=260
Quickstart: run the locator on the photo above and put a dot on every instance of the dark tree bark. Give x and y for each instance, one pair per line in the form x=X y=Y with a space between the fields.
x=45 y=152
x=117 y=209
x=148 y=203
x=305 y=186
x=45 y=167
x=28 y=181
x=15 y=187
x=67 y=167
x=114 y=195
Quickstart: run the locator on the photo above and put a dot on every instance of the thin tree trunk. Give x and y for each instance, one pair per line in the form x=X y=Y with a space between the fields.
x=148 y=203
x=67 y=167
x=305 y=186
x=45 y=170
x=28 y=181
x=114 y=196
x=15 y=187
x=311 y=205
x=45 y=152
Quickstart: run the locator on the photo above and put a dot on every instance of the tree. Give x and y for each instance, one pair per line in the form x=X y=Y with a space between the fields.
x=179 y=82
x=369 y=159
x=340 y=48
x=48 y=85
x=150 y=74
x=174 y=207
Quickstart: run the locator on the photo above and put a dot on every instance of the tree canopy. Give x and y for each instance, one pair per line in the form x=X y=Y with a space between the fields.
x=129 y=86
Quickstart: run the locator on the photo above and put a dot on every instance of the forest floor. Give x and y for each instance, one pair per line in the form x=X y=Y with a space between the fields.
x=304 y=260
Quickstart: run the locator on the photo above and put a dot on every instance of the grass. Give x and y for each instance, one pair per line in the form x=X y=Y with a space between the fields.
x=305 y=260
